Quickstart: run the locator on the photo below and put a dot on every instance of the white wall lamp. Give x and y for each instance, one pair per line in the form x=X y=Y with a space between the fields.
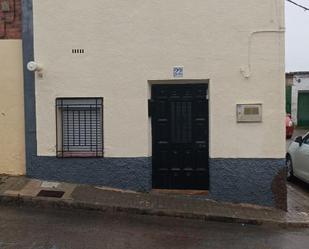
x=32 y=66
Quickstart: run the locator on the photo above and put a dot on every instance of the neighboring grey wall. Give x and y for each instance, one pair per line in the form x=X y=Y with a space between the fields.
x=244 y=180
x=123 y=173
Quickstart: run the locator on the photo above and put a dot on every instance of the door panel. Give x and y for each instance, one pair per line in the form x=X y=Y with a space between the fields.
x=180 y=136
x=303 y=109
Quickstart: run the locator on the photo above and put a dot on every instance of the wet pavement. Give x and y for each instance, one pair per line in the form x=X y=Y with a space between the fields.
x=298 y=196
x=24 y=228
x=25 y=191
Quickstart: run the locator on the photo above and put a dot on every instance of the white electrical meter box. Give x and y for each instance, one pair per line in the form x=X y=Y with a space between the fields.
x=249 y=113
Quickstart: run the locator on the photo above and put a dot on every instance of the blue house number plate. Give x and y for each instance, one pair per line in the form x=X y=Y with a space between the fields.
x=178 y=72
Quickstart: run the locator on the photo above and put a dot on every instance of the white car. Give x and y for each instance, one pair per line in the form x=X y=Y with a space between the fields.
x=297 y=159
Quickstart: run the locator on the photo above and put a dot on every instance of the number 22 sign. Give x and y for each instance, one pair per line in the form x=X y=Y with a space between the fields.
x=178 y=72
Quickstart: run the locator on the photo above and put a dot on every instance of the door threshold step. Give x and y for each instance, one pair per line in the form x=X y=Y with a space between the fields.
x=180 y=192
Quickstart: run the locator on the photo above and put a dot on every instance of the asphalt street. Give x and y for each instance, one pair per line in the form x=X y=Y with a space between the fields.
x=23 y=228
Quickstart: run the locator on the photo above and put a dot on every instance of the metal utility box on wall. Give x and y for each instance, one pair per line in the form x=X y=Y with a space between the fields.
x=249 y=113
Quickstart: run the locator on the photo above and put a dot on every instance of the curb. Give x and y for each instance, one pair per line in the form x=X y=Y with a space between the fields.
x=41 y=202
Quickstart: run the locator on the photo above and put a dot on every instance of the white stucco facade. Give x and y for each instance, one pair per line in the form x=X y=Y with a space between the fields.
x=300 y=84
x=237 y=45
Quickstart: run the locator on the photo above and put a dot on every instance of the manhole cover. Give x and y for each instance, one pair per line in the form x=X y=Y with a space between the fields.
x=51 y=193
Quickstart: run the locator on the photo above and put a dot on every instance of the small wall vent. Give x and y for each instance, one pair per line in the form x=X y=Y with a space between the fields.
x=78 y=51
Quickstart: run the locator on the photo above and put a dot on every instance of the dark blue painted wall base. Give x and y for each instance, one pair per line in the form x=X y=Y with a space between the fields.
x=231 y=180
x=246 y=180
x=123 y=173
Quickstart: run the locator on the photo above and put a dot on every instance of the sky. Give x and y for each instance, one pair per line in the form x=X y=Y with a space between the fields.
x=297 y=37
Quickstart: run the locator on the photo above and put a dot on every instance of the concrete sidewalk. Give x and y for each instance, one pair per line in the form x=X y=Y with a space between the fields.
x=24 y=191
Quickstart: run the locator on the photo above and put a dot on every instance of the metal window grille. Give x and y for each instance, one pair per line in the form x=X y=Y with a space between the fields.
x=79 y=127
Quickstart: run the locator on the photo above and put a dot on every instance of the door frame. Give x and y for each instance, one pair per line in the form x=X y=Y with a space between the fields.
x=178 y=82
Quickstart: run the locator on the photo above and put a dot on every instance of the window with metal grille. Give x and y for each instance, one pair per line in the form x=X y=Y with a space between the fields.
x=79 y=127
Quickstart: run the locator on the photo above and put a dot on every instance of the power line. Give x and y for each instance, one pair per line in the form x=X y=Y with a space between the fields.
x=298 y=5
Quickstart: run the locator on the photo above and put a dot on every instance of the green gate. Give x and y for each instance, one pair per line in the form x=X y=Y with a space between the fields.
x=303 y=109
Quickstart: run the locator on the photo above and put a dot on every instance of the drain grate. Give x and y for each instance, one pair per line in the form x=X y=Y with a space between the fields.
x=51 y=193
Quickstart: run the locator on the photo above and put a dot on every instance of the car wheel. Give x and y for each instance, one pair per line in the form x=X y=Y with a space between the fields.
x=289 y=166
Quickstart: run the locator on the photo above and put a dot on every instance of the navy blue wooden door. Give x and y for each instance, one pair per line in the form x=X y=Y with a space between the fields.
x=180 y=136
